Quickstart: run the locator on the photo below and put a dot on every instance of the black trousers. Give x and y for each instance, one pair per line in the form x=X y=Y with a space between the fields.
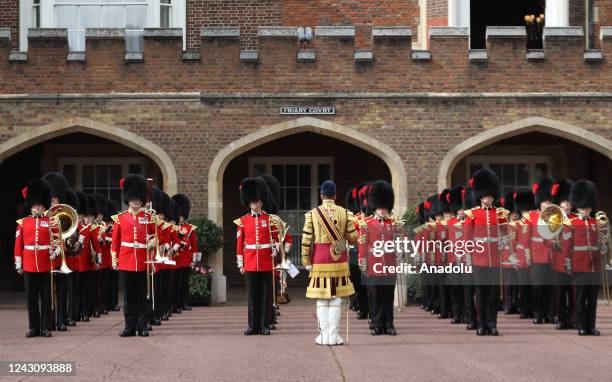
x=510 y=277
x=61 y=295
x=382 y=306
x=158 y=294
x=104 y=301
x=85 y=286
x=469 y=298
x=543 y=291
x=38 y=294
x=434 y=292
x=525 y=292
x=425 y=290
x=177 y=287
x=166 y=293
x=564 y=299
x=96 y=285
x=258 y=293
x=114 y=288
x=487 y=296
x=73 y=295
x=587 y=289
x=185 y=274
x=135 y=300
x=456 y=296
x=444 y=290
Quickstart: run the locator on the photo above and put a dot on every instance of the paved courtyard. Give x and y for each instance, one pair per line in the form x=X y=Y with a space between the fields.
x=207 y=344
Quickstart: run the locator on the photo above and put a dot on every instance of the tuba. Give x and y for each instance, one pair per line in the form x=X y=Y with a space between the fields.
x=550 y=222
x=65 y=219
x=278 y=226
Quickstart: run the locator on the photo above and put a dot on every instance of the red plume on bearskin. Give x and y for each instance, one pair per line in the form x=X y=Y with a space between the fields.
x=24 y=192
x=121 y=183
x=502 y=201
x=554 y=189
x=543 y=190
x=514 y=195
x=534 y=188
x=561 y=191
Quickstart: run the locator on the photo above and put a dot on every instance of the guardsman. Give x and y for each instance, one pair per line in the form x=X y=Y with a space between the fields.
x=59 y=186
x=434 y=256
x=564 y=296
x=328 y=230
x=365 y=212
x=34 y=253
x=82 y=261
x=485 y=225
x=109 y=279
x=455 y=235
x=441 y=255
x=351 y=203
x=509 y=257
x=132 y=238
x=174 y=242
x=469 y=286
x=255 y=251
x=419 y=254
x=585 y=246
x=381 y=227
x=524 y=203
x=97 y=228
x=541 y=257
x=72 y=249
x=189 y=246
x=95 y=253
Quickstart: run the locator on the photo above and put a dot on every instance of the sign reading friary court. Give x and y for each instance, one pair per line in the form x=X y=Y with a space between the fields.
x=308 y=110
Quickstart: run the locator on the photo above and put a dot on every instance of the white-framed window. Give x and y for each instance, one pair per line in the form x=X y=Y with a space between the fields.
x=100 y=175
x=78 y=15
x=515 y=173
x=300 y=179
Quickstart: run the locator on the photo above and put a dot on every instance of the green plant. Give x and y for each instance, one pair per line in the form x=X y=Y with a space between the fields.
x=210 y=235
x=199 y=284
x=411 y=219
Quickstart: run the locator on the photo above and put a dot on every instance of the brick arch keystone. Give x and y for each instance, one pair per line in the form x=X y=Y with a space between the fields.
x=522 y=126
x=36 y=135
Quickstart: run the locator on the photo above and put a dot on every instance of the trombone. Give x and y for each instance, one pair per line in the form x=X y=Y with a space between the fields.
x=398 y=231
x=64 y=222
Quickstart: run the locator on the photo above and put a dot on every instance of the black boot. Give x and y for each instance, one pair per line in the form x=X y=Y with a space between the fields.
x=127 y=333
x=143 y=333
x=250 y=332
x=32 y=333
x=45 y=333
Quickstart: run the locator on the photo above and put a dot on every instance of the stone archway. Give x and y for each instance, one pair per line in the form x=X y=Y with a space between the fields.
x=271 y=133
x=82 y=125
x=523 y=126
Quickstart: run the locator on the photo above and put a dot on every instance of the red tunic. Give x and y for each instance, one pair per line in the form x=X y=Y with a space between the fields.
x=523 y=243
x=130 y=234
x=96 y=247
x=486 y=225
x=377 y=230
x=510 y=246
x=441 y=236
x=541 y=250
x=580 y=243
x=189 y=244
x=558 y=257
x=254 y=242
x=33 y=244
x=105 y=245
x=455 y=234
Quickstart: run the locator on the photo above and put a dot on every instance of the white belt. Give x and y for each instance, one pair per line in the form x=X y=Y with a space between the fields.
x=537 y=239
x=257 y=246
x=586 y=248
x=486 y=239
x=133 y=245
x=519 y=246
x=36 y=247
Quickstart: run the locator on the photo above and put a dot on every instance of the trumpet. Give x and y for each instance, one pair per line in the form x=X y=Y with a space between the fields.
x=603 y=224
x=278 y=226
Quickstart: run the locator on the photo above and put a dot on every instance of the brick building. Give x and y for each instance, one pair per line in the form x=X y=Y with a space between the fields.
x=192 y=93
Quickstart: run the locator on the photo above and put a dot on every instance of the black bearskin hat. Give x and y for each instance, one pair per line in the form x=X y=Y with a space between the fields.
x=381 y=195
x=433 y=206
x=524 y=201
x=59 y=185
x=71 y=199
x=173 y=211
x=469 y=199
x=351 y=201
x=583 y=194
x=485 y=182
x=38 y=191
x=542 y=190
x=444 y=200
x=455 y=198
x=92 y=206
x=158 y=199
x=273 y=199
x=134 y=187
x=184 y=205
x=362 y=198
x=507 y=201
x=560 y=191
x=83 y=203
x=252 y=189
x=165 y=209
x=100 y=203
x=110 y=210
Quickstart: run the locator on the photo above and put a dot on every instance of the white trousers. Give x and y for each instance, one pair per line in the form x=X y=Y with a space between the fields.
x=328 y=315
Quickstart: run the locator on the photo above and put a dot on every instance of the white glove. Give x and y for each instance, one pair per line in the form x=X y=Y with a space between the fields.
x=468 y=260
x=308 y=268
x=568 y=265
x=98 y=258
x=18 y=266
x=274 y=252
x=603 y=249
x=54 y=252
x=152 y=243
x=363 y=265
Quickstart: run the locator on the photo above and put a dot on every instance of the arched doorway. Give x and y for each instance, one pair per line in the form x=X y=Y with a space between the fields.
x=525 y=150
x=325 y=138
x=89 y=161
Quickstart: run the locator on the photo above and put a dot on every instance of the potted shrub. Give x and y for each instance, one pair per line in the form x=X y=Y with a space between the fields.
x=210 y=239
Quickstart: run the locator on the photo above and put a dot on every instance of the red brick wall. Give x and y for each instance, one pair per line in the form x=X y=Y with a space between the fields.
x=246 y=14
x=9 y=18
x=220 y=70
x=604 y=8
